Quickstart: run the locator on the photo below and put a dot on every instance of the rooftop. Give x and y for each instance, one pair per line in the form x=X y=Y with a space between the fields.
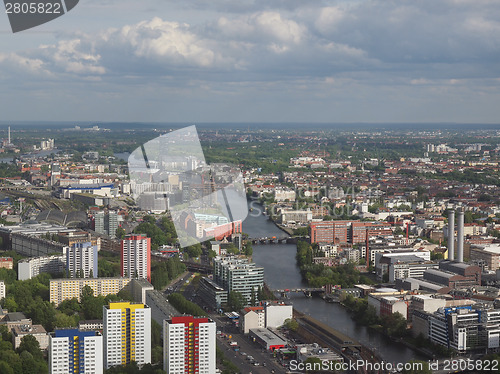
x=28 y=330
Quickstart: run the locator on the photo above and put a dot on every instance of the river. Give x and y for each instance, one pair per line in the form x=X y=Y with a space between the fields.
x=281 y=271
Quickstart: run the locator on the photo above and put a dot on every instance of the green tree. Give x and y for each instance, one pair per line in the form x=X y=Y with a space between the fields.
x=29 y=363
x=248 y=249
x=291 y=324
x=193 y=251
x=31 y=345
x=120 y=233
x=5 y=368
x=236 y=301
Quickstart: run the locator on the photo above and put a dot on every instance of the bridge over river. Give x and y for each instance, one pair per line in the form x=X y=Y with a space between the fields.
x=274 y=240
x=308 y=291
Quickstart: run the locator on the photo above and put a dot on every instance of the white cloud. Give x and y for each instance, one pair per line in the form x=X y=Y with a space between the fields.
x=224 y=48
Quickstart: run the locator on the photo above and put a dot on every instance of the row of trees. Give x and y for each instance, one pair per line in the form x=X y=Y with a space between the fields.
x=163 y=272
x=392 y=324
x=185 y=306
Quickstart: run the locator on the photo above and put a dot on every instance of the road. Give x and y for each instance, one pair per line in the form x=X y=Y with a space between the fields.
x=267 y=363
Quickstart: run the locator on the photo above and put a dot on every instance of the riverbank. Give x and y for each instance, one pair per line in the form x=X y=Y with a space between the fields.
x=311 y=330
x=281 y=272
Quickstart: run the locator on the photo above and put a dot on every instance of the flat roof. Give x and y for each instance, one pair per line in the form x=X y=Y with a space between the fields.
x=162 y=303
x=268 y=336
x=492 y=248
x=28 y=330
x=425 y=284
x=441 y=273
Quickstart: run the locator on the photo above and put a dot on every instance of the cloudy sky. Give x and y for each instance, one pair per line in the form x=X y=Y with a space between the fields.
x=257 y=61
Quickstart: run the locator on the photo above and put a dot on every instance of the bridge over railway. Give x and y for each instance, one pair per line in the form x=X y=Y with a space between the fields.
x=190 y=266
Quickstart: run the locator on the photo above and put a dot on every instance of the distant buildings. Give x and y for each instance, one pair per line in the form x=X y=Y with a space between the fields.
x=76 y=352
x=127 y=334
x=490 y=254
x=296 y=216
x=106 y=223
x=64 y=289
x=31 y=267
x=47 y=144
x=81 y=260
x=136 y=257
x=342 y=232
x=6 y=263
x=189 y=345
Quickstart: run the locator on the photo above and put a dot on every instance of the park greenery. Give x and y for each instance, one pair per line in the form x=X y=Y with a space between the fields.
x=161 y=232
x=318 y=275
x=26 y=359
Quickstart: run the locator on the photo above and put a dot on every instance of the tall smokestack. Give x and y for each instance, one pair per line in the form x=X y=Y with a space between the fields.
x=367 y=249
x=451 y=235
x=460 y=235
x=9 y=135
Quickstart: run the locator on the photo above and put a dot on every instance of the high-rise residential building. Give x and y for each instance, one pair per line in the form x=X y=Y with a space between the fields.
x=238 y=274
x=2 y=290
x=189 y=345
x=81 y=260
x=76 y=352
x=106 y=223
x=136 y=257
x=127 y=333
x=28 y=268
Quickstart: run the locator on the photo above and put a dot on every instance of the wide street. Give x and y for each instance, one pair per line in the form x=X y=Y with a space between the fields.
x=246 y=348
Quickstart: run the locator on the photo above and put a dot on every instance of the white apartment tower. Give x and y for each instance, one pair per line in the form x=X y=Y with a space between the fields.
x=136 y=257
x=189 y=345
x=76 y=352
x=127 y=334
x=2 y=290
x=81 y=259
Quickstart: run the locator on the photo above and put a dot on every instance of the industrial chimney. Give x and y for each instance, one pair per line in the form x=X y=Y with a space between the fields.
x=460 y=235
x=451 y=235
